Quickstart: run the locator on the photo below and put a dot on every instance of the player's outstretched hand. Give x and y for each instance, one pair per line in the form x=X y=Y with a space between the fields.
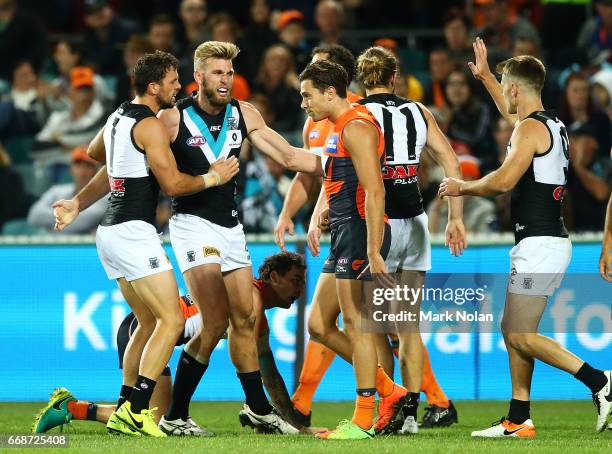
x=313 y=239
x=226 y=168
x=450 y=187
x=284 y=224
x=65 y=212
x=605 y=263
x=480 y=69
x=456 y=238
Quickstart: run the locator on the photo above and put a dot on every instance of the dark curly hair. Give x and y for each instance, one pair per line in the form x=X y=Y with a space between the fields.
x=281 y=263
x=338 y=54
x=152 y=68
x=324 y=74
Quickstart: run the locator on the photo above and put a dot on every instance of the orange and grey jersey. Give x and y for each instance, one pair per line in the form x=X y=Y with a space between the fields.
x=536 y=199
x=345 y=195
x=405 y=130
x=133 y=187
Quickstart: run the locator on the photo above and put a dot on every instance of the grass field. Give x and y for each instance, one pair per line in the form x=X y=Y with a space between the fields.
x=563 y=426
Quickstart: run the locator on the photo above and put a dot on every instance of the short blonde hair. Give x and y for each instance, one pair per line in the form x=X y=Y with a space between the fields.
x=214 y=49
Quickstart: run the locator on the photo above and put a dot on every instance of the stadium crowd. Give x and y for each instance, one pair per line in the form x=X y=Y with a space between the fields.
x=66 y=66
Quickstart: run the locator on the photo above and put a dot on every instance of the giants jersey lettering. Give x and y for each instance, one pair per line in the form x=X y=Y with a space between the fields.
x=201 y=140
x=317 y=131
x=405 y=131
x=537 y=197
x=133 y=188
x=345 y=196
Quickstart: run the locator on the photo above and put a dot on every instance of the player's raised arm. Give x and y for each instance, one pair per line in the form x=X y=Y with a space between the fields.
x=605 y=259
x=272 y=144
x=442 y=152
x=524 y=146
x=361 y=139
x=480 y=70
x=151 y=135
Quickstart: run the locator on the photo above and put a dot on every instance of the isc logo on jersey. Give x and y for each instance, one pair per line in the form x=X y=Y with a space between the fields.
x=332 y=144
x=196 y=141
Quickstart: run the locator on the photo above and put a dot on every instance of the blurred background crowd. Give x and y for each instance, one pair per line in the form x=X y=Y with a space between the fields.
x=66 y=65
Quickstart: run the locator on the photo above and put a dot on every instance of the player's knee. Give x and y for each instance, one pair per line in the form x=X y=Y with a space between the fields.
x=172 y=321
x=318 y=331
x=518 y=341
x=243 y=322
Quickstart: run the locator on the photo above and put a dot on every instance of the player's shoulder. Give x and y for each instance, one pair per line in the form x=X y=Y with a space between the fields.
x=183 y=103
x=136 y=111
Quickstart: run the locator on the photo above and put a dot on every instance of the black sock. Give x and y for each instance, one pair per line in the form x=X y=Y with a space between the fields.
x=519 y=411
x=141 y=394
x=189 y=372
x=124 y=394
x=413 y=404
x=253 y=390
x=366 y=392
x=92 y=412
x=595 y=379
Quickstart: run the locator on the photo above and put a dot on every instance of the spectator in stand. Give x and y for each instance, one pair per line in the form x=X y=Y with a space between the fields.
x=589 y=181
x=23 y=111
x=224 y=28
x=329 y=19
x=578 y=108
x=601 y=84
x=470 y=119
x=193 y=14
x=14 y=200
x=457 y=32
x=278 y=80
x=478 y=212
x=22 y=37
x=292 y=33
x=105 y=35
x=136 y=47
x=595 y=37
x=440 y=66
x=69 y=54
x=258 y=34
x=82 y=169
x=500 y=29
x=67 y=129
x=162 y=34
x=406 y=86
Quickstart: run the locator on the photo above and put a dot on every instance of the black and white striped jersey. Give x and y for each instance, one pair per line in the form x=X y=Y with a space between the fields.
x=537 y=197
x=133 y=188
x=405 y=131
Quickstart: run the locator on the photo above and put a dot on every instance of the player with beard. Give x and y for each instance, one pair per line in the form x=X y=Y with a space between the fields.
x=134 y=144
x=207 y=238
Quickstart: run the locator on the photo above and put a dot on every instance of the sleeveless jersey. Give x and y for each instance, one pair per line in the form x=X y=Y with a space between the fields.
x=133 y=188
x=405 y=130
x=317 y=131
x=345 y=195
x=537 y=197
x=201 y=140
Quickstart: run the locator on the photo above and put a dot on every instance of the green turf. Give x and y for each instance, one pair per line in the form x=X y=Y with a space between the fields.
x=562 y=427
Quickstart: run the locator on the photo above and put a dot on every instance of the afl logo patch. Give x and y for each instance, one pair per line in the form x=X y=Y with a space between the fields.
x=313 y=134
x=558 y=192
x=196 y=141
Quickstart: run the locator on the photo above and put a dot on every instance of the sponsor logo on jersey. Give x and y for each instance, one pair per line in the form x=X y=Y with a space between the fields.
x=154 y=262
x=209 y=250
x=357 y=264
x=559 y=192
x=232 y=123
x=343 y=261
x=191 y=256
x=399 y=172
x=313 y=134
x=527 y=283
x=215 y=128
x=332 y=144
x=340 y=269
x=196 y=141
x=234 y=213
x=518 y=227
x=116 y=186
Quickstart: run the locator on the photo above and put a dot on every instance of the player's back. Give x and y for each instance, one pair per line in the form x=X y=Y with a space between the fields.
x=345 y=195
x=538 y=196
x=133 y=187
x=405 y=134
x=202 y=139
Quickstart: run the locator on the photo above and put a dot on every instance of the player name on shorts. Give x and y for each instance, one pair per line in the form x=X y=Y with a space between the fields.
x=430 y=316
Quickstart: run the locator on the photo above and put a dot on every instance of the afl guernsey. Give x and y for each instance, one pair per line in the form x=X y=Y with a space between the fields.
x=201 y=140
x=405 y=134
x=133 y=187
x=345 y=195
x=537 y=197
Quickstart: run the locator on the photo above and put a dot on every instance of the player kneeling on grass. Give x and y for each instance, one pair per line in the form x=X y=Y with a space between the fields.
x=281 y=283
